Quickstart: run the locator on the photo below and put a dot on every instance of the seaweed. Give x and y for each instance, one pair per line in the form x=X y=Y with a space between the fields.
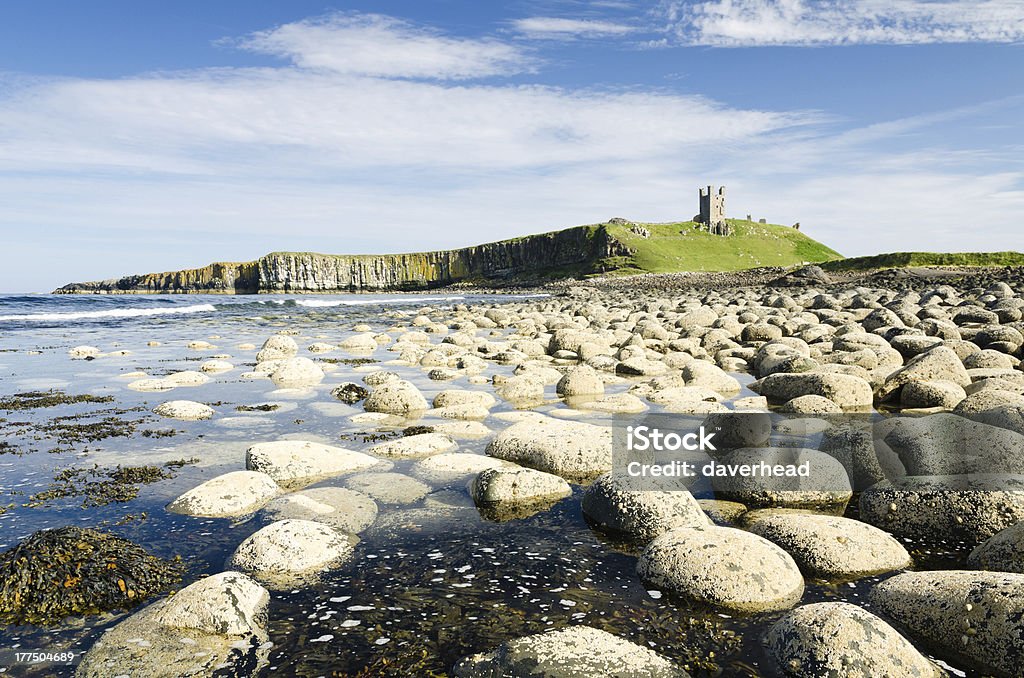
x=31 y=400
x=73 y=571
x=100 y=486
x=349 y=361
x=266 y=407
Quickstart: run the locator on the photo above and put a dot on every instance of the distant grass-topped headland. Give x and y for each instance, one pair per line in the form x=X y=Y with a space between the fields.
x=924 y=259
x=617 y=247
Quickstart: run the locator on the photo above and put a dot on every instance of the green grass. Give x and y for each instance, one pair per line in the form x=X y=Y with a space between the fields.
x=904 y=259
x=684 y=246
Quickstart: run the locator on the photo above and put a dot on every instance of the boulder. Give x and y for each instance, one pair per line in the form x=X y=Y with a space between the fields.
x=636 y=509
x=396 y=397
x=968 y=508
x=846 y=391
x=574 y=450
x=185 y=410
x=827 y=487
x=724 y=567
x=926 y=394
x=703 y=374
x=840 y=639
x=297 y=373
x=215 y=625
x=1003 y=551
x=277 y=347
x=978 y=616
x=460 y=398
x=580 y=381
x=810 y=404
x=829 y=547
x=288 y=552
x=517 y=485
x=568 y=653
x=938 y=364
x=297 y=462
x=947 y=444
x=236 y=493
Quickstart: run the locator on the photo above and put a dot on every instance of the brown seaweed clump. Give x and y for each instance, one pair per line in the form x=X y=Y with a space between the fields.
x=73 y=571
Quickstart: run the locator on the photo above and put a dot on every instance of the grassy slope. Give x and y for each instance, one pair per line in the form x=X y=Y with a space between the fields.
x=685 y=247
x=901 y=259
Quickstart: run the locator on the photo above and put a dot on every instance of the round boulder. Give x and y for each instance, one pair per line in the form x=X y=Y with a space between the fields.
x=286 y=552
x=185 y=410
x=637 y=509
x=829 y=547
x=975 y=615
x=395 y=397
x=569 y=652
x=236 y=493
x=840 y=639
x=724 y=567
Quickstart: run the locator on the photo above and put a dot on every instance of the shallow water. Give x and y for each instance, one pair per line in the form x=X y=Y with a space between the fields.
x=429 y=583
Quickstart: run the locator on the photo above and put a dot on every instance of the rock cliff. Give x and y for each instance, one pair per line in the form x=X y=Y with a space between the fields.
x=532 y=258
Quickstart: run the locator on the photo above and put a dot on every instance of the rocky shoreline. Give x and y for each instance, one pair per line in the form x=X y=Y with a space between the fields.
x=531 y=384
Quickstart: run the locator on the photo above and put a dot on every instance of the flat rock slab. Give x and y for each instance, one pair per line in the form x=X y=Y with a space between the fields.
x=297 y=462
x=449 y=467
x=840 y=639
x=569 y=653
x=975 y=615
x=830 y=547
x=724 y=567
x=291 y=552
x=573 y=450
x=233 y=494
x=216 y=623
x=389 y=488
x=415 y=446
x=343 y=509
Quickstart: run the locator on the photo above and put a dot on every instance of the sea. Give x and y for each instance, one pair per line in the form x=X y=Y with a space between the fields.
x=431 y=581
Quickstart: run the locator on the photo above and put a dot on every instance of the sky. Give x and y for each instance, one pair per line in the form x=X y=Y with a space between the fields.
x=140 y=137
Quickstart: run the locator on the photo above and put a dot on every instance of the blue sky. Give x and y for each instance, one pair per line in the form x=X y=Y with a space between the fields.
x=140 y=137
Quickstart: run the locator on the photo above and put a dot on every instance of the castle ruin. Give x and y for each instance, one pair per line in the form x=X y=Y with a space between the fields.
x=712 y=211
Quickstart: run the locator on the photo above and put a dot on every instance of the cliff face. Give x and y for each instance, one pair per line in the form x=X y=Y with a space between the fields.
x=529 y=258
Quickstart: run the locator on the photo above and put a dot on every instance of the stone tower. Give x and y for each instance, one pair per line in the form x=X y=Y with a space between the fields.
x=712 y=210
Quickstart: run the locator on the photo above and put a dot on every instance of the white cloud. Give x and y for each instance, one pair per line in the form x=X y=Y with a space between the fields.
x=382 y=46
x=162 y=171
x=747 y=23
x=560 y=28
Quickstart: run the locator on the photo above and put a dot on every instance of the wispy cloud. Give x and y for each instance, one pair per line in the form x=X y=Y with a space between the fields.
x=557 y=28
x=383 y=46
x=750 y=23
x=374 y=134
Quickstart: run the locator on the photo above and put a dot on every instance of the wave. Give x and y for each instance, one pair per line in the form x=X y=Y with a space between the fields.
x=110 y=313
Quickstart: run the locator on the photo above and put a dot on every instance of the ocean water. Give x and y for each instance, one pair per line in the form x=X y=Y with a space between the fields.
x=431 y=581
